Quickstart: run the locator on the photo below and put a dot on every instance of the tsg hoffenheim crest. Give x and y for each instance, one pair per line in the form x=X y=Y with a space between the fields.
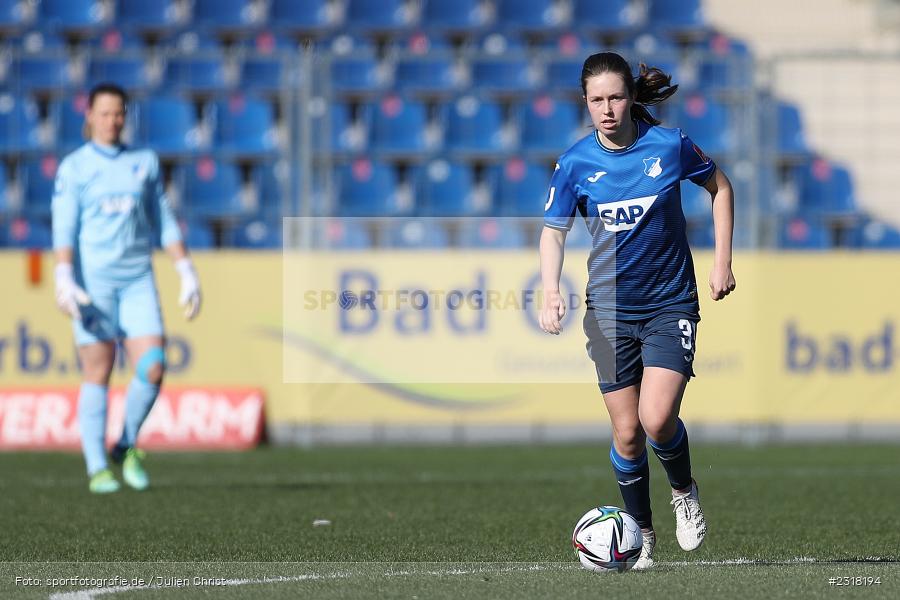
x=652 y=166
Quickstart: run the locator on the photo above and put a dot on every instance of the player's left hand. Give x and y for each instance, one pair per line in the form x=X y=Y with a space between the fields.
x=190 y=296
x=721 y=282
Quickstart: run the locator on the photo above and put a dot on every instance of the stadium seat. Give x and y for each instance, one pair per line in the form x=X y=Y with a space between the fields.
x=130 y=70
x=29 y=235
x=202 y=70
x=826 y=189
x=228 y=15
x=683 y=15
x=209 y=188
x=417 y=233
x=168 y=124
x=549 y=125
x=73 y=14
x=302 y=15
x=379 y=16
x=354 y=66
x=342 y=234
x=563 y=72
x=655 y=49
x=474 y=125
x=114 y=40
x=152 y=15
x=67 y=116
x=447 y=189
x=530 y=14
x=499 y=63
x=708 y=123
x=270 y=190
x=567 y=43
x=425 y=63
x=333 y=128
x=41 y=63
x=397 y=124
x=605 y=15
x=492 y=232
x=37 y=176
x=799 y=233
x=18 y=124
x=256 y=234
x=265 y=66
x=725 y=64
x=367 y=188
x=243 y=125
x=197 y=234
x=456 y=15
x=520 y=188
x=16 y=15
x=790 y=138
x=879 y=236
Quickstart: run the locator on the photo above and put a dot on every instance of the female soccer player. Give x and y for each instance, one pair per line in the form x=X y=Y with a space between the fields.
x=108 y=212
x=641 y=323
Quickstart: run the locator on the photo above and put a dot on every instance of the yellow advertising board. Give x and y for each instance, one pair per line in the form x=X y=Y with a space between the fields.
x=805 y=338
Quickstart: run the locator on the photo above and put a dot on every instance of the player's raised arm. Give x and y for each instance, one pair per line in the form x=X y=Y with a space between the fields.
x=721 y=279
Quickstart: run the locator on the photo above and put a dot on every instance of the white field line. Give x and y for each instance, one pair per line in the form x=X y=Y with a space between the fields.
x=90 y=594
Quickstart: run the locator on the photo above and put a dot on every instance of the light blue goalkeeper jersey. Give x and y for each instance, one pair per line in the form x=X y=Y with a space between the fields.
x=109 y=206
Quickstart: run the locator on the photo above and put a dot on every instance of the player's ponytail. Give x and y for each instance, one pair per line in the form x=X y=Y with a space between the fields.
x=651 y=86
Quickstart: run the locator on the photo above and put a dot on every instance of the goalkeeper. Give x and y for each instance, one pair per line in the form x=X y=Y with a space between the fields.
x=109 y=210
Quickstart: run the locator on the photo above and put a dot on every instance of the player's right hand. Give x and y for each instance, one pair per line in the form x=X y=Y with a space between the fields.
x=552 y=312
x=70 y=296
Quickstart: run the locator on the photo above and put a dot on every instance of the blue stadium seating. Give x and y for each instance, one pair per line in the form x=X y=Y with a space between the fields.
x=149 y=15
x=789 y=136
x=653 y=48
x=474 y=125
x=256 y=234
x=29 y=235
x=129 y=70
x=227 y=14
x=520 y=188
x=243 y=125
x=529 y=14
x=492 y=232
x=826 y=189
x=4 y=200
x=500 y=63
x=695 y=202
x=354 y=65
x=419 y=43
x=378 y=16
x=73 y=14
x=446 y=189
x=726 y=64
x=799 y=233
x=265 y=66
x=425 y=63
x=37 y=176
x=682 y=15
x=18 y=124
x=67 y=115
x=368 y=189
x=209 y=188
x=417 y=233
x=605 y=15
x=15 y=15
x=397 y=124
x=454 y=15
x=708 y=123
x=202 y=72
x=341 y=234
x=333 y=129
x=270 y=190
x=114 y=40
x=879 y=236
x=197 y=234
x=302 y=15
x=701 y=233
x=168 y=124
x=40 y=62
x=549 y=125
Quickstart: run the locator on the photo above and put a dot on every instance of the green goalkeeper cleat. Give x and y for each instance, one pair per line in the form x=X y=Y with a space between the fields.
x=103 y=482
x=133 y=471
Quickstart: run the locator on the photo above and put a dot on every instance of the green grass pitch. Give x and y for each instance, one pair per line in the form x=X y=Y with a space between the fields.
x=437 y=522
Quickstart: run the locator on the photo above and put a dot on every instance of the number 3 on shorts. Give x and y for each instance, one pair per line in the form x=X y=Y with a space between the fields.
x=687 y=330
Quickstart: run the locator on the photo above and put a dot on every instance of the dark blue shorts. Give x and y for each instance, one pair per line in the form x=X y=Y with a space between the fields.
x=621 y=349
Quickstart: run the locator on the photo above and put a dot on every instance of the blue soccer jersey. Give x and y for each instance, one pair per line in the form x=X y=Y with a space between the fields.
x=109 y=206
x=631 y=201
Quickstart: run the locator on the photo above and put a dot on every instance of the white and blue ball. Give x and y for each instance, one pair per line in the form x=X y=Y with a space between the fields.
x=607 y=539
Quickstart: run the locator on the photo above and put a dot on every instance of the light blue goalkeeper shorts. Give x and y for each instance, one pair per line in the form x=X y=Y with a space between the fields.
x=119 y=310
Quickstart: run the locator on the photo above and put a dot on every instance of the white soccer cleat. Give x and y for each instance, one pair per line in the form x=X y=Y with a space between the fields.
x=645 y=561
x=690 y=524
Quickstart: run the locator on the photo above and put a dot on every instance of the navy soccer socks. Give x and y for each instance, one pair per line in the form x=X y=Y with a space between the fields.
x=675 y=457
x=633 y=475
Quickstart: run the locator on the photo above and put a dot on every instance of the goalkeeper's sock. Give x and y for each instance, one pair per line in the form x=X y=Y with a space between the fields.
x=138 y=402
x=675 y=456
x=92 y=422
x=633 y=476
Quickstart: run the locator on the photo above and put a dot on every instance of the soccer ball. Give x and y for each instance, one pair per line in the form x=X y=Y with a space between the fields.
x=606 y=539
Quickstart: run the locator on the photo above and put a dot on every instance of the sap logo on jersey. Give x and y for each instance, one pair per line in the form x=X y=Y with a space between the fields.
x=652 y=167
x=625 y=214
